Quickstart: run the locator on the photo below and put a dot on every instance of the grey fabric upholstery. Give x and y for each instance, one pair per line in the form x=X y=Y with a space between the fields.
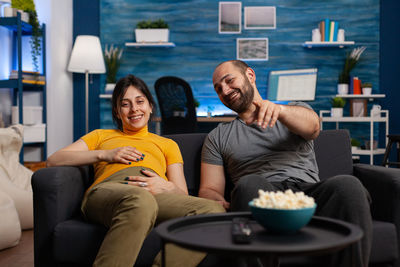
x=62 y=238
x=333 y=153
x=190 y=145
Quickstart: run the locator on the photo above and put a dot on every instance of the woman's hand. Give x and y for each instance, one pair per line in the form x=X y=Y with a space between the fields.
x=125 y=155
x=151 y=182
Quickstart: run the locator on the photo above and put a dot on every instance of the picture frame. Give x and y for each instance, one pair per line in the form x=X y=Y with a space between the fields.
x=252 y=49
x=230 y=18
x=259 y=17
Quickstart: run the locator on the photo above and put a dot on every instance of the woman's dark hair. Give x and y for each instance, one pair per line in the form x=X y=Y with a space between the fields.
x=120 y=90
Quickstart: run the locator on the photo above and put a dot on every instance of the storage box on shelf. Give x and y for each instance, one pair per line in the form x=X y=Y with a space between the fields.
x=31 y=115
x=19 y=82
x=34 y=133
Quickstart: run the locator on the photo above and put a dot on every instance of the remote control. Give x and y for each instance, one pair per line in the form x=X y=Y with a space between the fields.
x=241 y=231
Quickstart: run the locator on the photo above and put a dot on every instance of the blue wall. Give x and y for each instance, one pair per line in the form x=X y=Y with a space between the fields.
x=86 y=22
x=199 y=47
x=389 y=59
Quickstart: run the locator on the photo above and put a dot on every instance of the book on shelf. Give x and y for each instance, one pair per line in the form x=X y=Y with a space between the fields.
x=351 y=91
x=335 y=31
x=331 y=29
x=27 y=75
x=327 y=30
x=322 y=30
x=34 y=82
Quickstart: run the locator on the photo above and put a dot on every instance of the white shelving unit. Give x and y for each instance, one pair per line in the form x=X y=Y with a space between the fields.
x=35 y=135
x=362 y=96
x=105 y=96
x=310 y=44
x=382 y=117
x=158 y=44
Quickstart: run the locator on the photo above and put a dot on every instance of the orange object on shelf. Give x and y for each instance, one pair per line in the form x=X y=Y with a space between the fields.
x=356 y=86
x=34 y=166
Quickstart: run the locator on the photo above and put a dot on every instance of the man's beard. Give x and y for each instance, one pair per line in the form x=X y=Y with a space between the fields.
x=243 y=102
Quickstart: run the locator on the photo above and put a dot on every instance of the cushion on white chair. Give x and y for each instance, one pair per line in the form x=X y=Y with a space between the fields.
x=10 y=229
x=15 y=179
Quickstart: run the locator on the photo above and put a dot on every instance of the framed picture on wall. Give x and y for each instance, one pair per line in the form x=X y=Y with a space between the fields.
x=252 y=49
x=259 y=17
x=230 y=17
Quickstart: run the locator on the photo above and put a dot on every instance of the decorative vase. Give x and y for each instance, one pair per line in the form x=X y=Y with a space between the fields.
x=109 y=87
x=366 y=90
x=343 y=88
x=336 y=112
x=152 y=35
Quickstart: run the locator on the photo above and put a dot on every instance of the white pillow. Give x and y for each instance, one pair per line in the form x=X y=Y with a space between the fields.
x=10 y=229
x=15 y=179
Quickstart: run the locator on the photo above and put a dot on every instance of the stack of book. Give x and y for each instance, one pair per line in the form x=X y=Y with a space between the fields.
x=30 y=77
x=329 y=30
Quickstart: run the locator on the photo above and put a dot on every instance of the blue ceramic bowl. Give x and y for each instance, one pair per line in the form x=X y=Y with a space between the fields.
x=282 y=220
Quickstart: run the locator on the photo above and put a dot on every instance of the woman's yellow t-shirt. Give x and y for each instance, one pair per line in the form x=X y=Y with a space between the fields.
x=159 y=151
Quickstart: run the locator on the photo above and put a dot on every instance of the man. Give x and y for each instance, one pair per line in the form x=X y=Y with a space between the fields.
x=270 y=147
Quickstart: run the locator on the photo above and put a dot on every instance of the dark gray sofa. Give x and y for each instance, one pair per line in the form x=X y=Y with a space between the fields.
x=62 y=238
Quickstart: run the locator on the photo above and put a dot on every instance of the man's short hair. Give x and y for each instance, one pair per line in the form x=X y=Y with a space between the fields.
x=241 y=65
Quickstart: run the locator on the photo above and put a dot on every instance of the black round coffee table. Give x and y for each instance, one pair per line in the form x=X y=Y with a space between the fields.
x=212 y=233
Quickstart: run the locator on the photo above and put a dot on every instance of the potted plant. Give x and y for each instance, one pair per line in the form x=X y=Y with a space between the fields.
x=152 y=31
x=349 y=64
x=112 y=58
x=35 y=42
x=366 y=88
x=338 y=104
x=355 y=144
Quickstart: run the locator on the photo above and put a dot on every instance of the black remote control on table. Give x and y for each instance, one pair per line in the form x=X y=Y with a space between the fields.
x=241 y=231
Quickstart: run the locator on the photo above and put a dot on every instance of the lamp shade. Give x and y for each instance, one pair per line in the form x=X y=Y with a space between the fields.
x=87 y=55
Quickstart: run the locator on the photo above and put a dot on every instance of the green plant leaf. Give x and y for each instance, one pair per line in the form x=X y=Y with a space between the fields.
x=35 y=41
x=152 y=24
x=338 y=102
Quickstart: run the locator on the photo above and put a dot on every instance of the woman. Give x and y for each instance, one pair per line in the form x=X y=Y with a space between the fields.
x=139 y=179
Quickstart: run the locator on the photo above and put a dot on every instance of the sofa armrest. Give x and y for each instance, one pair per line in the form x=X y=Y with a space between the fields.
x=383 y=184
x=57 y=195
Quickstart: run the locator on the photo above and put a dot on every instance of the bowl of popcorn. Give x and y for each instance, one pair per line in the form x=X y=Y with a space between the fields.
x=282 y=212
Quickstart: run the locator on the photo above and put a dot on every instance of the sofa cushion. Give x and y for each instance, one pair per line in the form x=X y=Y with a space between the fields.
x=384 y=245
x=190 y=146
x=76 y=241
x=333 y=153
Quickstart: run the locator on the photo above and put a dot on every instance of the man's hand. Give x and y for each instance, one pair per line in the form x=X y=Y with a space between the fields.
x=224 y=204
x=123 y=155
x=266 y=113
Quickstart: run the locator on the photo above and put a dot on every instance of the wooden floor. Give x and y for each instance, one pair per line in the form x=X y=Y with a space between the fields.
x=20 y=255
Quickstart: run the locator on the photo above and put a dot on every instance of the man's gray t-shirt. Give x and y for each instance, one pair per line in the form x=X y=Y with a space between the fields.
x=274 y=153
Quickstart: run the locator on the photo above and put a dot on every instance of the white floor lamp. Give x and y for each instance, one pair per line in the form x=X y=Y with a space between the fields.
x=87 y=57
